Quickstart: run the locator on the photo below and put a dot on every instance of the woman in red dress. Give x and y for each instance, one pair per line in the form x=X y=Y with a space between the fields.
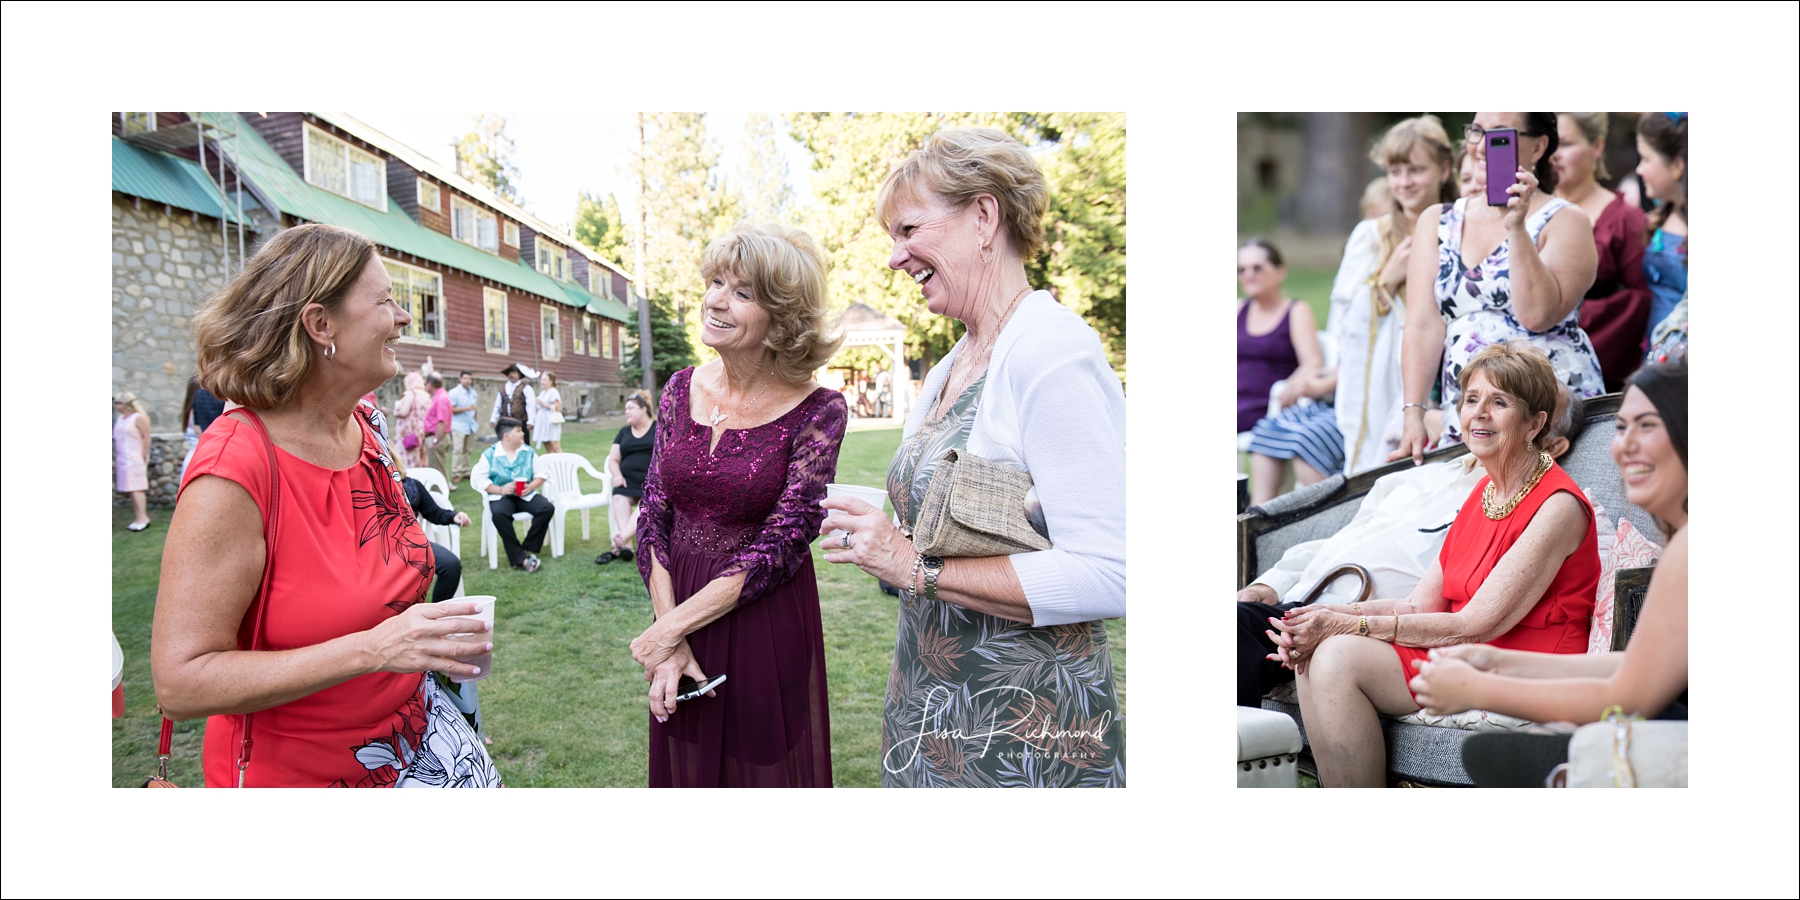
x=1518 y=570
x=290 y=609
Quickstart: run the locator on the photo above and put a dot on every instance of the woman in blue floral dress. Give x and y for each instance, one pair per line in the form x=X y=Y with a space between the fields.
x=1528 y=285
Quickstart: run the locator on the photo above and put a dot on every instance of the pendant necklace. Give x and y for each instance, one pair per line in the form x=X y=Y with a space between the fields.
x=718 y=417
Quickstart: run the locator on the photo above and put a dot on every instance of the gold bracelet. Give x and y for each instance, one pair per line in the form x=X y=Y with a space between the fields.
x=1396 y=638
x=913 y=582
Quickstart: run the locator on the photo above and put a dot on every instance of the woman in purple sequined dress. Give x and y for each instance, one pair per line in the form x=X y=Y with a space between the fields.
x=745 y=445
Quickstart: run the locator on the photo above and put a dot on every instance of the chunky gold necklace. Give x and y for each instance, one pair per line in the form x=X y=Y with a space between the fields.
x=1498 y=511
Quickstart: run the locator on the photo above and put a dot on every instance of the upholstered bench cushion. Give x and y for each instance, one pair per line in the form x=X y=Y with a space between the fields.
x=1263 y=733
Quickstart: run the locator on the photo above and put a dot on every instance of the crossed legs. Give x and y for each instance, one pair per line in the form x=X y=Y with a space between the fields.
x=623 y=513
x=1349 y=682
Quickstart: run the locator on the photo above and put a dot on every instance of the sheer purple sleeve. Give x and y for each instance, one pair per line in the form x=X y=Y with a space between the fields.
x=656 y=517
x=787 y=534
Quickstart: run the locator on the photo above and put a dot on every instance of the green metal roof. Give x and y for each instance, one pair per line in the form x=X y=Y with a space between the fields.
x=599 y=306
x=166 y=179
x=391 y=228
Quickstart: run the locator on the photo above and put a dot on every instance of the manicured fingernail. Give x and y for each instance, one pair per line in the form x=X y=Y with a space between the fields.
x=477 y=669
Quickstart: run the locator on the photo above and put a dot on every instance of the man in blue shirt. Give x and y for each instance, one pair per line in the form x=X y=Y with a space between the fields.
x=462 y=426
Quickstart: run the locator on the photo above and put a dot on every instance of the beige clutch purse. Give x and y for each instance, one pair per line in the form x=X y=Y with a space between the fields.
x=975 y=507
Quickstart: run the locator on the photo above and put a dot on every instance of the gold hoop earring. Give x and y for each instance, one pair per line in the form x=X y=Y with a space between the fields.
x=331 y=351
x=987 y=253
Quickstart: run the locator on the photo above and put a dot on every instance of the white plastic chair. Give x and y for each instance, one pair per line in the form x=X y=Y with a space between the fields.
x=563 y=486
x=490 y=538
x=447 y=535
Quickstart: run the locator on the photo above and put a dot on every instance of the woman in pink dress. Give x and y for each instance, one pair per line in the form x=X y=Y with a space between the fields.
x=409 y=420
x=131 y=456
x=745 y=445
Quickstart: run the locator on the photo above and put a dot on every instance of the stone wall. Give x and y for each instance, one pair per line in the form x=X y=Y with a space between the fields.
x=163 y=265
x=167 y=450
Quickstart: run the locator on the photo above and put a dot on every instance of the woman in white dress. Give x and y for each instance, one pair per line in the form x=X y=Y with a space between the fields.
x=546 y=414
x=1368 y=297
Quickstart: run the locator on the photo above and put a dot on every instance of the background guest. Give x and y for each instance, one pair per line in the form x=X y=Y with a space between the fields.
x=547 y=428
x=1615 y=311
x=446 y=565
x=628 y=462
x=1662 y=164
x=131 y=456
x=409 y=420
x=462 y=425
x=1496 y=273
x=1377 y=198
x=1370 y=289
x=1470 y=180
x=437 y=425
x=498 y=473
x=1278 y=339
x=514 y=400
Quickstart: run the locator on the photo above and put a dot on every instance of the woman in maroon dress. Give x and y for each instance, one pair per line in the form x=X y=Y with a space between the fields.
x=744 y=448
x=1616 y=311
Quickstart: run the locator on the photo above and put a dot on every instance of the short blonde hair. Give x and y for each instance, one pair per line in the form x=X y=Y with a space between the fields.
x=960 y=164
x=250 y=346
x=785 y=270
x=1593 y=127
x=127 y=398
x=1521 y=370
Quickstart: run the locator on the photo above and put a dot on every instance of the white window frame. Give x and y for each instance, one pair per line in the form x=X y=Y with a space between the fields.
x=306 y=168
x=480 y=214
x=488 y=297
x=578 y=334
x=599 y=280
x=125 y=122
x=550 y=262
x=404 y=296
x=509 y=234
x=592 y=329
x=436 y=203
x=550 y=322
x=611 y=332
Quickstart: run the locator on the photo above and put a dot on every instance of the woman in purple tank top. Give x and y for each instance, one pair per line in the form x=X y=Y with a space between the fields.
x=1273 y=332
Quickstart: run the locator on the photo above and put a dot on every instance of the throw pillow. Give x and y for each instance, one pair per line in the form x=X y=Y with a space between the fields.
x=1630 y=550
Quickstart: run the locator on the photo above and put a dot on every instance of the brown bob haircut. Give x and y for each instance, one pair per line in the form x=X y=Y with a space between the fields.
x=785 y=270
x=1521 y=370
x=250 y=346
x=960 y=164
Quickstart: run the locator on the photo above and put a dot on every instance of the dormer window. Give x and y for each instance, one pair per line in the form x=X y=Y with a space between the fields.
x=474 y=225
x=599 y=281
x=344 y=170
x=429 y=197
x=137 y=122
x=510 y=234
x=552 y=260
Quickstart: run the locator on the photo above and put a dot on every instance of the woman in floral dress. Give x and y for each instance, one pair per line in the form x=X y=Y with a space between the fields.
x=1528 y=284
x=1002 y=674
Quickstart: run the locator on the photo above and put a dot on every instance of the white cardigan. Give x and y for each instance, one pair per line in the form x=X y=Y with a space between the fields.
x=1053 y=407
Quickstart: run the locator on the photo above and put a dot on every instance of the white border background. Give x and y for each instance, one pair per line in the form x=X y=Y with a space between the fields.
x=1181 y=73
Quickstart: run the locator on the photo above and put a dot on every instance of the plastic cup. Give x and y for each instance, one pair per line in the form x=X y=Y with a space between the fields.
x=876 y=497
x=519 y=487
x=484 y=612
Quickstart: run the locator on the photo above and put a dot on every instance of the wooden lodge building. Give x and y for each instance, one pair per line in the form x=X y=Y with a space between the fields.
x=486 y=282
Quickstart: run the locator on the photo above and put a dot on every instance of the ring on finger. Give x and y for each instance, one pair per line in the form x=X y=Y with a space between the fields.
x=846 y=540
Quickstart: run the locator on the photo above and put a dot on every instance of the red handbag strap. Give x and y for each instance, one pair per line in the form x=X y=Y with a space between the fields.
x=270 y=520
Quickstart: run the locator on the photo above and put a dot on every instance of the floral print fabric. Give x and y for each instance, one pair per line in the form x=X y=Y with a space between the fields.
x=974 y=700
x=1476 y=304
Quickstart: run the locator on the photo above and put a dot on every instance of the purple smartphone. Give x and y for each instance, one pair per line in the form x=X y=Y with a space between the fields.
x=1502 y=164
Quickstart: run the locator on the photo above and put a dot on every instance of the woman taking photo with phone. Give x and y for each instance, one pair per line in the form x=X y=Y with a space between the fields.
x=1498 y=272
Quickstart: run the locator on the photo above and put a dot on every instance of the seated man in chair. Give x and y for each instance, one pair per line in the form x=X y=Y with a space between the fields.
x=1395 y=536
x=499 y=474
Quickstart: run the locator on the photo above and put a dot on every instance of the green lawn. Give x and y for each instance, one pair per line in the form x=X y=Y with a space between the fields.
x=1311 y=285
x=566 y=706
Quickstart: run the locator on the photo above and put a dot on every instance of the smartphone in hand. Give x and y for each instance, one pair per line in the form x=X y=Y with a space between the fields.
x=1502 y=164
x=691 y=689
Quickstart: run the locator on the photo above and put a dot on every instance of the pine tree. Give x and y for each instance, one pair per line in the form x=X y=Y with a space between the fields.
x=484 y=156
x=764 y=176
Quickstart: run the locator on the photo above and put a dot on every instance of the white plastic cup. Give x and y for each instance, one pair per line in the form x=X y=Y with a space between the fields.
x=485 y=612
x=876 y=497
